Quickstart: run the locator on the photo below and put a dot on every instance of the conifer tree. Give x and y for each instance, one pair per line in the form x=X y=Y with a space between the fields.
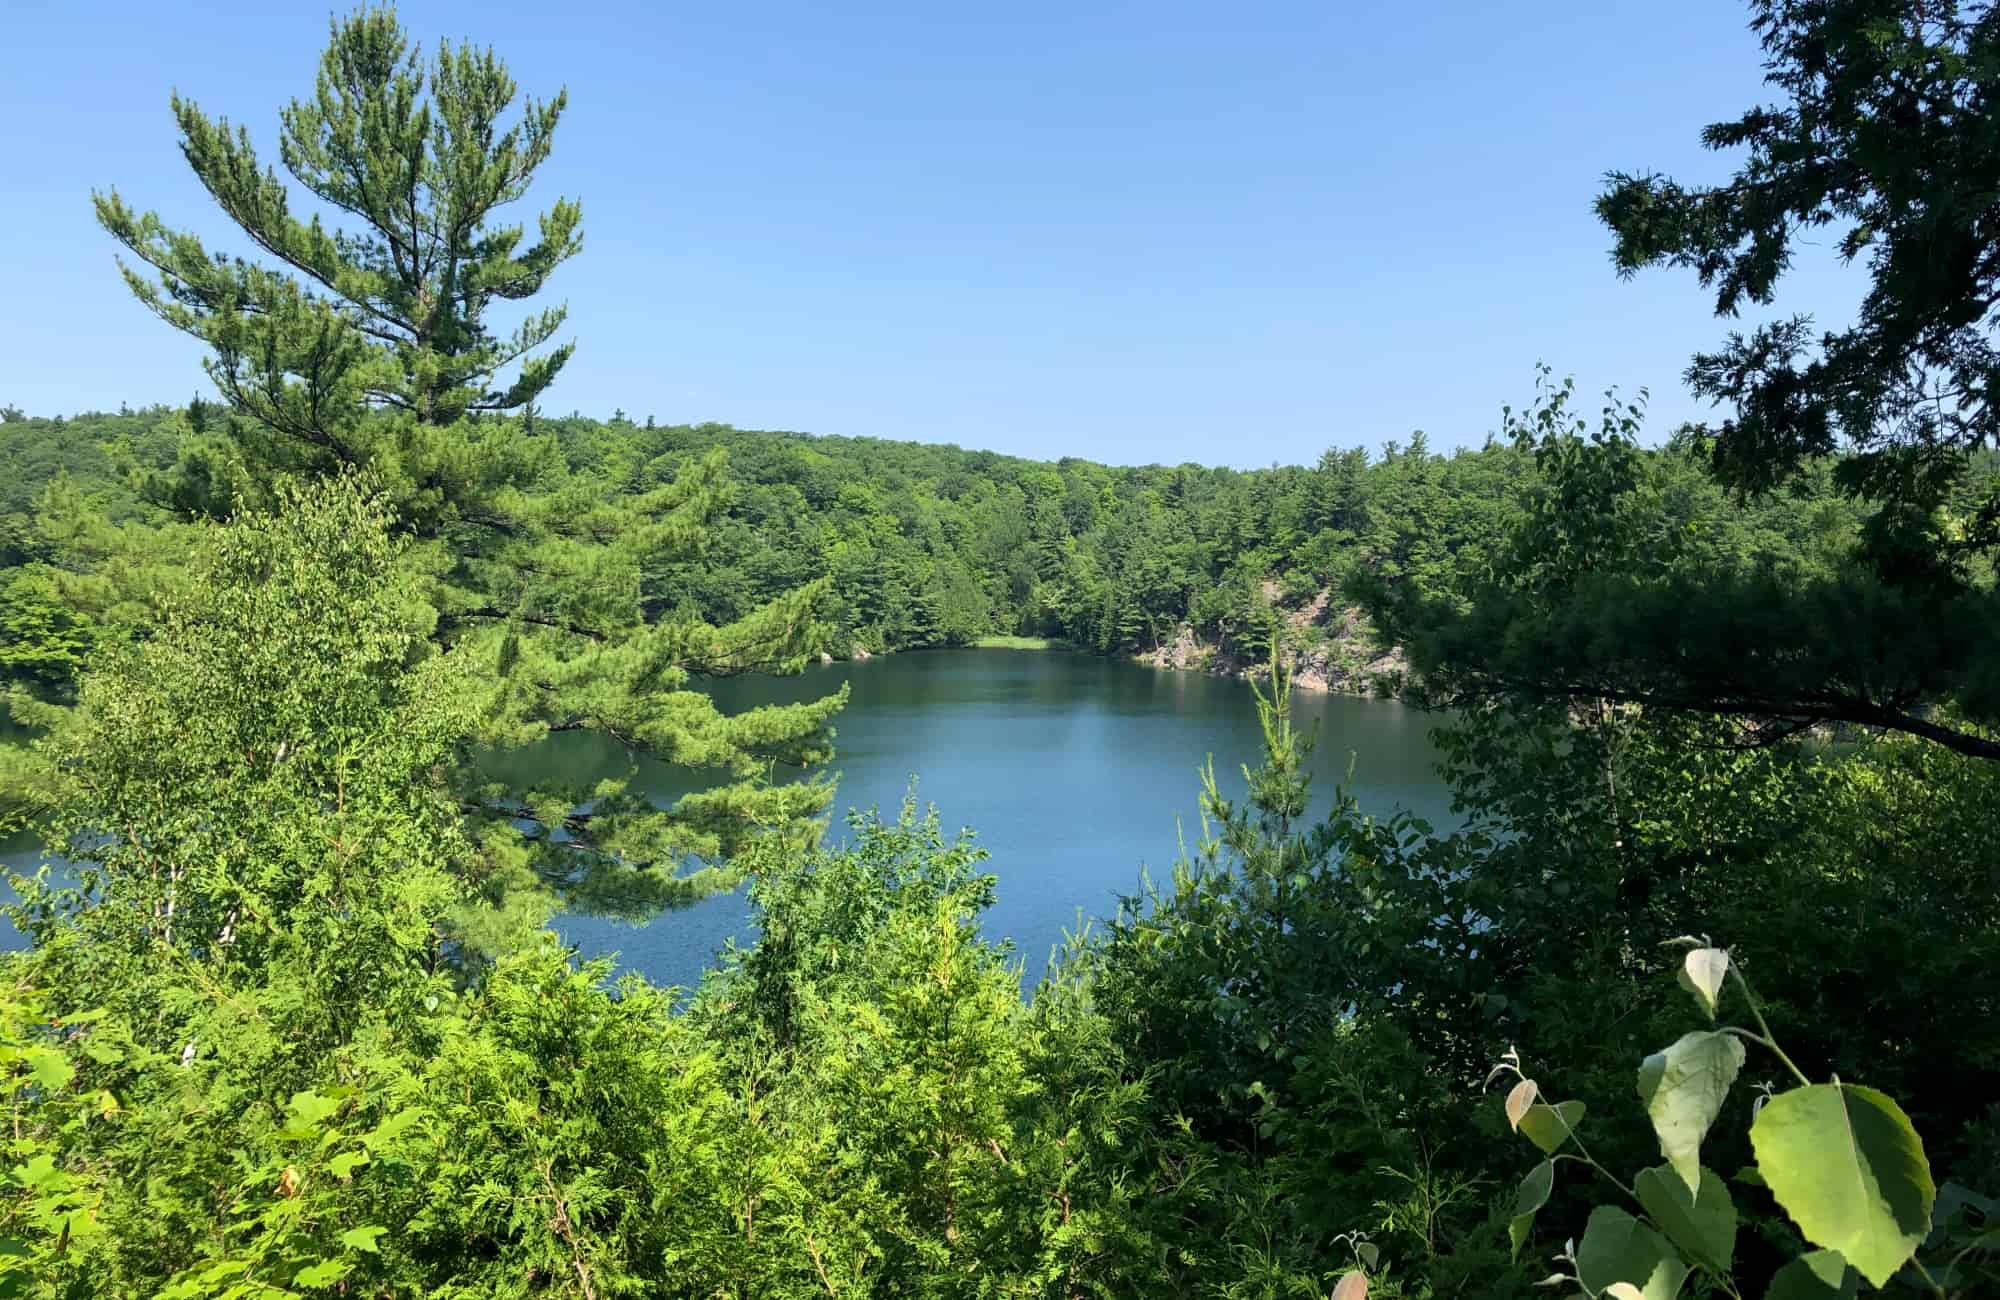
x=363 y=339
x=394 y=315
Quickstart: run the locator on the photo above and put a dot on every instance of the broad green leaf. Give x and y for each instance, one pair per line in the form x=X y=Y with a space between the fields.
x=49 y=1068
x=38 y=1172
x=344 y=1164
x=324 y=1273
x=1703 y=1226
x=1950 y=1212
x=391 y=1128
x=307 y=1113
x=1850 y=1170
x=102 y=1052
x=1548 y=1127
x=1822 y=1275
x=1532 y=1195
x=1683 y=1088
x=312 y=1108
x=15 y=1268
x=362 y=1238
x=1702 y=974
x=1618 y=1248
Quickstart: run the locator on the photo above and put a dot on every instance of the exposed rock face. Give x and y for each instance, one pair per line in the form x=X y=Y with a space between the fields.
x=1185 y=651
x=860 y=652
x=1329 y=648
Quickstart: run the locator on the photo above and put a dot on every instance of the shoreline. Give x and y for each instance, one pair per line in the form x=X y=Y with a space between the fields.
x=1364 y=673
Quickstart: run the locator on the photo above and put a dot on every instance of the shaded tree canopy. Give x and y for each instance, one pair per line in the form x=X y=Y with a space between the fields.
x=1628 y=576
x=1884 y=137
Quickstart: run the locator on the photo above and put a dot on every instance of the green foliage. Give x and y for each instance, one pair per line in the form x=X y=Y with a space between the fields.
x=1250 y=1083
x=1682 y=1087
x=1845 y=1163
x=1629 y=577
x=418 y=153
x=934 y=545
x=1879 y=133
x=52 y=1201
x=368 y=350
x=255 y=782
x=291 y=1023
x=1842 y=1162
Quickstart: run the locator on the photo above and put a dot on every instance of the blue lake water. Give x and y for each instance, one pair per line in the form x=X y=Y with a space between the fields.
x=1074 y=770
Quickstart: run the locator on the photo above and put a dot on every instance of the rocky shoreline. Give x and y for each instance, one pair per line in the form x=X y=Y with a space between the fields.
x=1327 y=648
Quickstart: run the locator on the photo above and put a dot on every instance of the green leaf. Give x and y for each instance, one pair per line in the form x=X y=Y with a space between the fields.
x=49 y=1068
x=324 y=1273
x=38 y=1172
x=1548 y=1127
x=16 y=1269
x=102 y=1052
x=1848 y=1167
x=1822 y=1275
x=391 y=1128
x=1618 y=1248
x=362 y=1238
x=1528 y=1200
x=1956 y=1208
x=1683 y=1088
x=1702 y=1225
x=344 y=1164
x=309 y=1111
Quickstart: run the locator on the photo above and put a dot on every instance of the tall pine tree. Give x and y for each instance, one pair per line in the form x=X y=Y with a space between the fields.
x=360 y=338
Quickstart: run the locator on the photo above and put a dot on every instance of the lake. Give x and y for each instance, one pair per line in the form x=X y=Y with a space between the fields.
x=1072 y=769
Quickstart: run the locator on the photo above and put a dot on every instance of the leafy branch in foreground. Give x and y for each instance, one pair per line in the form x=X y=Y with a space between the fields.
x=1843 y=1161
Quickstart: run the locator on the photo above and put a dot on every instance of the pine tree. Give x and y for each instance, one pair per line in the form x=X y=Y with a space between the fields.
x=394 y=316
x=370 y=348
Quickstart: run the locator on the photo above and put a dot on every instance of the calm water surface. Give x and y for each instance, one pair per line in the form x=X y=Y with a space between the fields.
x=1073 y=770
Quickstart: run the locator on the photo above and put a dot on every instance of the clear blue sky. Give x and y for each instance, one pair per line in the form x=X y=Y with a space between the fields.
x=1223 y=232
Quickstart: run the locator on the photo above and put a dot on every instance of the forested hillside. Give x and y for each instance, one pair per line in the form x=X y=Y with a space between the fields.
x=1696 y=1000
x=928 y=545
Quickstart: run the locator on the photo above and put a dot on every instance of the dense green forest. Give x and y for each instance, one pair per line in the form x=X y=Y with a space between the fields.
x=927 y=545
x=1698 y=1000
